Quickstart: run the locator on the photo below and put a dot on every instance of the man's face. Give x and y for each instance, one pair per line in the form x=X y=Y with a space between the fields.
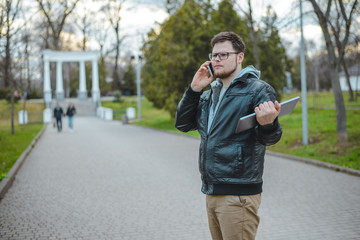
x=226 y=67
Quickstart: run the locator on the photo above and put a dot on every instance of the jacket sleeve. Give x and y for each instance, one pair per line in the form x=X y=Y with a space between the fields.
x=271 y=133
x=186 y=112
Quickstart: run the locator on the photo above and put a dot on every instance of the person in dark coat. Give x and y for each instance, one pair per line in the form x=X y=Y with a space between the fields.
x=231 y=164
x=58 y=113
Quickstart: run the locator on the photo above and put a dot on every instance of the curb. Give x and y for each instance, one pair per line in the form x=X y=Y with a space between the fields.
x=317 y=163
x=7 y=182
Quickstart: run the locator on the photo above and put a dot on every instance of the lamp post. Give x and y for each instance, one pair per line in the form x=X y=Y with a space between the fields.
x=303 y=83
x=138 y=85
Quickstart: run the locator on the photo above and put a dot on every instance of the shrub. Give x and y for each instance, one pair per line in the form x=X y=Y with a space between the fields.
x=36 y=93
x=4 y=92
x=118 y=96
x=8 y=98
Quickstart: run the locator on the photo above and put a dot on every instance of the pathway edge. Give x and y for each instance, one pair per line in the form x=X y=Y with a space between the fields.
x=318 y=163
x=7 y=182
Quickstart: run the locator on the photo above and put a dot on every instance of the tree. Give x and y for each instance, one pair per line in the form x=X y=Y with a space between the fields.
x=84 y=23
x=100 y=32
x=336 y=50
x=226 y=19
x=129 y=79
x=11 y=11
x=112 y=10
x=2 y=16
x=102 y=74
x=172 y=5
x=55 y=13
x=252 y=33
x=273 y=56
x=173 y=55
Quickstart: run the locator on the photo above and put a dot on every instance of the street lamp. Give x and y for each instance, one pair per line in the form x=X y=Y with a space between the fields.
x=138 y=86
x=303 y=83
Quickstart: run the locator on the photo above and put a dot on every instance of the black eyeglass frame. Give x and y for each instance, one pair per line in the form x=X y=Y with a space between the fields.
x=213 y=56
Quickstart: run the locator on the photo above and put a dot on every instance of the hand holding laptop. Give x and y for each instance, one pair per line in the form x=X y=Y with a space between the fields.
x=250 y=121
x=267 y=112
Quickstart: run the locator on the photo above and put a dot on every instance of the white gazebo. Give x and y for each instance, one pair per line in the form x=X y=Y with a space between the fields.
x=60 y=57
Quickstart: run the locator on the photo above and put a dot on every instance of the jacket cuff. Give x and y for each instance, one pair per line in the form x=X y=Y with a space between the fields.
x=270 y=127
x=192 y=93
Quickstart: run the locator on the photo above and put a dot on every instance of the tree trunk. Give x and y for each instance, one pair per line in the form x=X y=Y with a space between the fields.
x=340 y=109
x=116 y=79
x=12 y=111
x=351 y=94
x=317 y=87
x=334 y=63
x=7 y=61
x=24 y=107
x=7 y=74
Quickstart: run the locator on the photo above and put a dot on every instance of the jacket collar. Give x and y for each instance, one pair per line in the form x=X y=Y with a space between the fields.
x=247 y=73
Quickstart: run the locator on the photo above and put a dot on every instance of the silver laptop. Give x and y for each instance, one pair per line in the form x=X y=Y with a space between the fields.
x=249 y=121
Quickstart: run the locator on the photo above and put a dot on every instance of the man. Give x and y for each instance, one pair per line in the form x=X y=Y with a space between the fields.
x=231 y=165
x=58 y=113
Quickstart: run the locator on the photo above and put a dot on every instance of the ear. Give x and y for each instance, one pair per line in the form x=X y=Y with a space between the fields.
x=240 y=58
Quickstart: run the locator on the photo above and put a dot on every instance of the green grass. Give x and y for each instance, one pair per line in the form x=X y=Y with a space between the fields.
x=321 y=124
x=12 y=146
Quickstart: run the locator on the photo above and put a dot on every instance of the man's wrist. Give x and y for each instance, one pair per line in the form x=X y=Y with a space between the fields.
x=195 y=89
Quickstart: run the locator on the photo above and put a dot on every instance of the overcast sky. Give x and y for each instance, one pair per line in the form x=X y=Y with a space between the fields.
x=139 y=16
x=138 y=19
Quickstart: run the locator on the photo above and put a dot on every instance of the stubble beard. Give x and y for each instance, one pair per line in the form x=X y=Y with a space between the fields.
x=223 y=74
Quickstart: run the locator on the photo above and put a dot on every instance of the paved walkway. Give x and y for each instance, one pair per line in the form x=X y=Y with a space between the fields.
x=112 y=181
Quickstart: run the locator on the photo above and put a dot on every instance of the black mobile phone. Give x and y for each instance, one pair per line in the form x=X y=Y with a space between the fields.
x=211 y=70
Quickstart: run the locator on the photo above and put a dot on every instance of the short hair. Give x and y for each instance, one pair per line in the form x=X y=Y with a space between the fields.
x=237 y=42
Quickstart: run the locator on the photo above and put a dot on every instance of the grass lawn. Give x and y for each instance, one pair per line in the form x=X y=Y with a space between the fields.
x=12 y=146
x=321 y=123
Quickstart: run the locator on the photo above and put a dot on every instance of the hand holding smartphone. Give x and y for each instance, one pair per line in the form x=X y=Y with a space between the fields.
x=209 y=67
x=201 y=79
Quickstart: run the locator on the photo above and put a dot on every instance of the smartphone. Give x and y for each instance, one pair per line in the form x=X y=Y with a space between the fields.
x=210 y=68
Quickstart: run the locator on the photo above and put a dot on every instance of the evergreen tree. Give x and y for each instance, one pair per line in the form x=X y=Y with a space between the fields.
x=129 y=86
x=272 y=54
x=174 y=55
x=226 y=19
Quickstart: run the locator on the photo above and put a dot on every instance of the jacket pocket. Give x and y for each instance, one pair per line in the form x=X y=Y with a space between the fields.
x=228 y=161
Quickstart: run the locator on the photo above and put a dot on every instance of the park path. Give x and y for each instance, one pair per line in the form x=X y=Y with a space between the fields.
x=113 y=181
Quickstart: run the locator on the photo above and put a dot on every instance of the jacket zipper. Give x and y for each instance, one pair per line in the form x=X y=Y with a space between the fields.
x=205 y=145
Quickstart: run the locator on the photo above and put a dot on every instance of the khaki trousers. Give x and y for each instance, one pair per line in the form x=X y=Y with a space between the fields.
x=233 y=217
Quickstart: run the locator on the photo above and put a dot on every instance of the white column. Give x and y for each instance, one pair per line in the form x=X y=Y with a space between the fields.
x=82 y=84
x=47 y=85
x=59 y=82
x=95 y=92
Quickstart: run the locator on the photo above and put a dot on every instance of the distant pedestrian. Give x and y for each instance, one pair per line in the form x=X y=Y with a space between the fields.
x=58 y=113
x=71 y=111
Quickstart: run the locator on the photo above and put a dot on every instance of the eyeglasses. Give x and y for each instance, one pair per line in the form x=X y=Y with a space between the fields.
x=221 y=55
